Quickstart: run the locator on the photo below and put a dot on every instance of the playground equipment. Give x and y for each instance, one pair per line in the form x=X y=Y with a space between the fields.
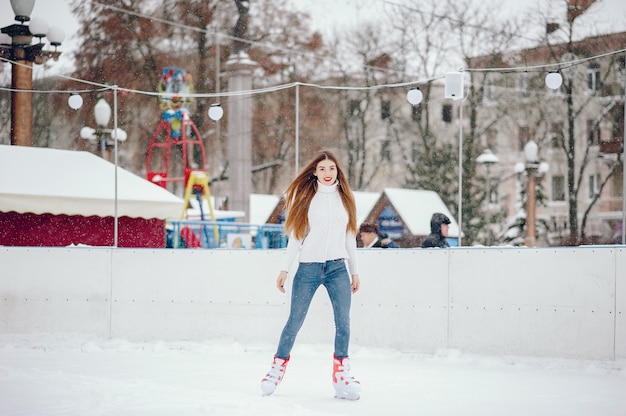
x=178 y=133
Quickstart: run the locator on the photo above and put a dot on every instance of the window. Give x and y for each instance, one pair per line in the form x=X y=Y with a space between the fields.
x=385 y=109
x=594 y=81
x=490 y=91
x=523 y=85
x=415 y=152
x=355 y=107
x=493 y=194
x=416 y=113
x=385 y=150
x=523 y=134
x=492 y=139
x=556 y=133
x=593 y=133
x=618 y=183
x=446 y=113
x=558 y=188
x=594 y=185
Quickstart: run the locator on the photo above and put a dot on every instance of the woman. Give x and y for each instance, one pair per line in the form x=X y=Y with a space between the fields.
x=321 y=224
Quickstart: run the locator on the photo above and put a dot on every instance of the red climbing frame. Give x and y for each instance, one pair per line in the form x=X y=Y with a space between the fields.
x=160 y=151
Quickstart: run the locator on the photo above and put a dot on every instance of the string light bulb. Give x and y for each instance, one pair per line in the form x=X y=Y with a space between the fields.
x=414 y=96
x=216 y=112
x=554 y=80
x=75 y=101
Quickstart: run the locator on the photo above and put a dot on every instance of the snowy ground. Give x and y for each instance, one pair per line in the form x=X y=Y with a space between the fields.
x=58 y=374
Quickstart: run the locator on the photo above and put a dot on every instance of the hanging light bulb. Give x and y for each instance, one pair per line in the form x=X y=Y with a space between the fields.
x=75 y=101
x=216 y=112
x=414 y=96
x=554 y=80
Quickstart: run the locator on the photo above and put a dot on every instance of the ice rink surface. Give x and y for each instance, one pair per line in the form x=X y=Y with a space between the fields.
x=65 y=374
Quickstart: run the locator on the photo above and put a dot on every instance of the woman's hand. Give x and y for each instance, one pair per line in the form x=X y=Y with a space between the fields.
x=356 y=283
x=280 y=282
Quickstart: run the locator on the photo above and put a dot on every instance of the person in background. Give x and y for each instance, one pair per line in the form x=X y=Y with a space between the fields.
x=438 y=231
x=370 y=237
x=321 y=224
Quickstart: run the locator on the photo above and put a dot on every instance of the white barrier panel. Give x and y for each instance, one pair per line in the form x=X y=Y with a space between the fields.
x=196 y=294
x=403 y=303
x=566 y=302
x=55 y=290
x=533 y=301
x=620 y=302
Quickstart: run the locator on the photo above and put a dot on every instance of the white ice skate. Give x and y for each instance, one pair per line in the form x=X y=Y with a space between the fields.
x=346 y=387
x=274 y=376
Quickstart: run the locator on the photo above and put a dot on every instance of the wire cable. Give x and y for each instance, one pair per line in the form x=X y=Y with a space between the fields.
x=535 y=68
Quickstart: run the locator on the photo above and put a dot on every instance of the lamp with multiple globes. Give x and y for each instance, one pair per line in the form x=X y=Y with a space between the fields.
x=16 y=47
x=106 y=137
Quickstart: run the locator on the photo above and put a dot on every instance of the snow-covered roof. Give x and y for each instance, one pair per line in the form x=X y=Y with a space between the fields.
x=365 y=202
x=416 y=206
x=194 y=213
x=63 y=182
x=261 y=207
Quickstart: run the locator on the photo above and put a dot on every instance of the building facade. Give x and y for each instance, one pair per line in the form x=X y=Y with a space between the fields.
x=579 y=129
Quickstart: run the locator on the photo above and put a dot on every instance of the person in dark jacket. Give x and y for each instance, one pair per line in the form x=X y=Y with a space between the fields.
x=438 y=231
x=369 y=236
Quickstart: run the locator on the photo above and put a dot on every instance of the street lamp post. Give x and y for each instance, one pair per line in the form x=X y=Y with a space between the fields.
x=106 y=137
x=15 y=46
x=534 y=172
x=531 y=208
x=624 y=162
x=487 y=158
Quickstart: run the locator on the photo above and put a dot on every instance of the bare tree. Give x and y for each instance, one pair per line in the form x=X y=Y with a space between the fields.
x=125 y=47
x=364 y=57
x=428 y=150
x=477 y=32
x=288 y=53
x=586 y=100
x=437 y=38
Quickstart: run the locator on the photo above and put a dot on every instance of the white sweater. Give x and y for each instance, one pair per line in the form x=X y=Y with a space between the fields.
x=327 y=238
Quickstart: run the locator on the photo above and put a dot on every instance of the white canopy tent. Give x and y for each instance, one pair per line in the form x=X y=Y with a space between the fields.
x=62 y=182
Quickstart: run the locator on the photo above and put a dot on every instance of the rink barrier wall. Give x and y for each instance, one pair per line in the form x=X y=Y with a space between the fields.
x=565 y=302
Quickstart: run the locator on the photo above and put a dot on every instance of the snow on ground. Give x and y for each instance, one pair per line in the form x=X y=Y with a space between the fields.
x=65 y=374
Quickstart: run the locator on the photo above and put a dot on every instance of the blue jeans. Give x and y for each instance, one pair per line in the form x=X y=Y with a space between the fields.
x=334 y=276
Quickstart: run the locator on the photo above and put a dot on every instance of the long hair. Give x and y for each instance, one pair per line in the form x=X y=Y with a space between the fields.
x=301 y=191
